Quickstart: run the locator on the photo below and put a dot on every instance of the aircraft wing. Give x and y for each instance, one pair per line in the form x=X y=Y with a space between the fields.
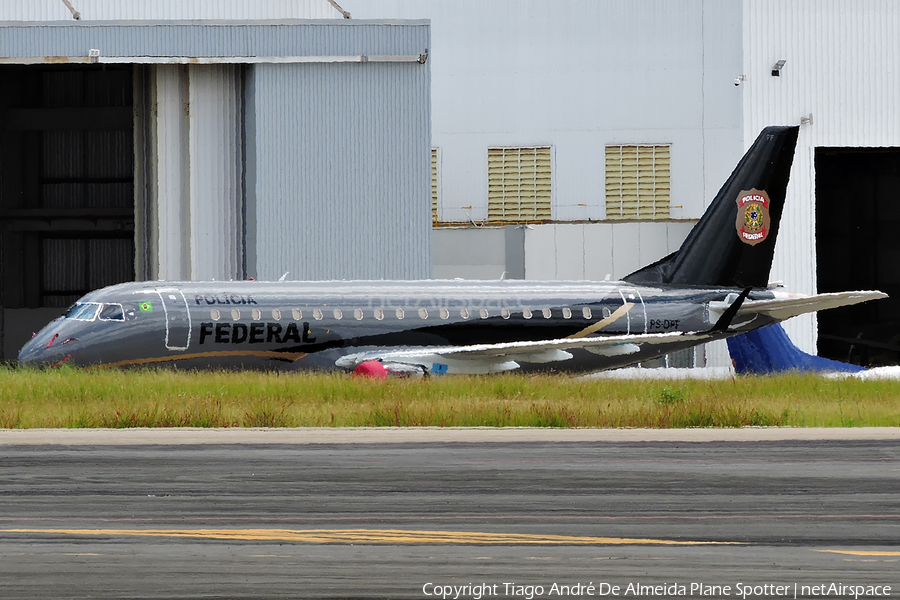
x=785 y=308
x=492 y=358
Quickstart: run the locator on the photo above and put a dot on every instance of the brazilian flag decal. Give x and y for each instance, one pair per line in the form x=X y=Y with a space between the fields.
x=146 y=307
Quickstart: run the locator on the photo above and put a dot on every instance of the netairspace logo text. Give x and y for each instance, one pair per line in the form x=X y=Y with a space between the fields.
x=478 y=591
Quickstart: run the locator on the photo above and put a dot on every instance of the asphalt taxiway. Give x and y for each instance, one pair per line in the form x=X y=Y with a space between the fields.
x=351 y=517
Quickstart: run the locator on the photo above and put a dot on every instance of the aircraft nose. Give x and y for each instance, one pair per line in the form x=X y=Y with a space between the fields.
x=29 y=352
x=45 y=348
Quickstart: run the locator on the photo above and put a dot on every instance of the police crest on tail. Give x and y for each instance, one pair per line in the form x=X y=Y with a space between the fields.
x=752 y=222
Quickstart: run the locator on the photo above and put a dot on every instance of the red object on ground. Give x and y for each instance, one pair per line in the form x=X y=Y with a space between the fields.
x=371 y=368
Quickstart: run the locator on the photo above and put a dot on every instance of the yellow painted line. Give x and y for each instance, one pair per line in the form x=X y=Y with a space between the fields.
x=367 y=536
x=620 y=312
x=863 y=552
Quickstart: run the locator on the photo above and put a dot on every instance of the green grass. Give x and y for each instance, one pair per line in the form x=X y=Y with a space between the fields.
x=167 y=398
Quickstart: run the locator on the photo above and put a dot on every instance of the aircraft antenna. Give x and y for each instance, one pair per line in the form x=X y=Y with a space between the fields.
x=283 y=277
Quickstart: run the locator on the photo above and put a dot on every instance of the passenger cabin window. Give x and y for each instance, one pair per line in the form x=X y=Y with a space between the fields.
x=86 y=311
x=546 y=313
x=256 y=314
x=379 y=314
x=297 y=314
x=214 y=314
x=526 y=313
x=567 y=313
x=484 y=313
x=317 y=314
x=445 y=314
x=112 y=312
x=338 y=313
x=586 y=312
x=276 y=314
x=464 y=313
x=504 y=312
x=235 y=314
x=399 y=313
x=423 y=314
x=358 y=313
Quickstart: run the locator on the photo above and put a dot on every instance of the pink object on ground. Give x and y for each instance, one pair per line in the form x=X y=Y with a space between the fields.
x=371 y=368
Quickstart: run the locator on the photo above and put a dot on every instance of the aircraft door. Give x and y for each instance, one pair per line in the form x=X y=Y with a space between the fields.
x=637 y=316
x=178 y=318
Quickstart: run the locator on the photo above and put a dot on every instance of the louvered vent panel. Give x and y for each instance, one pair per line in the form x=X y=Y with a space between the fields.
x=519 y=184
x=637 y=182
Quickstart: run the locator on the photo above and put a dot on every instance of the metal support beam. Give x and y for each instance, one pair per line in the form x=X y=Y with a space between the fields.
x=95 y=58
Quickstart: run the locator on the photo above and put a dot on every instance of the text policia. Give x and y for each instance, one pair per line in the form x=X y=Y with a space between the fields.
x=477 y=591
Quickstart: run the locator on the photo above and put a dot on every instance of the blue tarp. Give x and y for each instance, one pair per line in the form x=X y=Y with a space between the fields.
x=770 y=350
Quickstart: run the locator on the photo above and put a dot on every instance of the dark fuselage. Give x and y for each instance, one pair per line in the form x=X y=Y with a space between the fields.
x=310 y=325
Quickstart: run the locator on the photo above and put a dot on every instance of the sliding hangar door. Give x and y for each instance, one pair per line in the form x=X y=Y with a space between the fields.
x=286 y=149
x=822 y=65
x=858 y=248
x=66 y=188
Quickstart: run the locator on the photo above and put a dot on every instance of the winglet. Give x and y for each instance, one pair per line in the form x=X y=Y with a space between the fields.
x=729 y=314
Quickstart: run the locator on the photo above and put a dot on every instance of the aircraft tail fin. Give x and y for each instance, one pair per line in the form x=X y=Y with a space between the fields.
x=733 y=243
x=770 y=350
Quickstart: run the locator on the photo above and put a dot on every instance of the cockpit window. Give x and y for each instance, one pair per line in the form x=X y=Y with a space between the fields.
x=84 y=311
x=112 y=312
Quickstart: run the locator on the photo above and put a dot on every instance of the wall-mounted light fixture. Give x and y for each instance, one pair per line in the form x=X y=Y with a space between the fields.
x=776 y=70
x=739 y=80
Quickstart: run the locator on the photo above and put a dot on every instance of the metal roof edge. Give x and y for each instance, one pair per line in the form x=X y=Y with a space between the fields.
x=220 y=23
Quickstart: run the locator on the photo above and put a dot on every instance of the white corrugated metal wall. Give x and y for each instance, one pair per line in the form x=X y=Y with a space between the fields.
x=578 y=75
x=340 y=148
x=216 y=158
x=597 y=250
x=565 y=251
x=115 y=10
x=195 y=182
x=169 y=179
x=842 y=67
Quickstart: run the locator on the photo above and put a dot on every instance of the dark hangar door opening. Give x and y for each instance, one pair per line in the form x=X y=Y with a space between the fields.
x=66 y=189
x=858 y=248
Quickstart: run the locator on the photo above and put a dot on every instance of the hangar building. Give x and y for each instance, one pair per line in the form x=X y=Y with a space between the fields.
x=226 y=148
x=579 y=139
x=569 y=139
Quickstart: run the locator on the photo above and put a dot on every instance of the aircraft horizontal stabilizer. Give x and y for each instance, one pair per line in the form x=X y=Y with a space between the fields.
x=491 y=358
x=785 y=308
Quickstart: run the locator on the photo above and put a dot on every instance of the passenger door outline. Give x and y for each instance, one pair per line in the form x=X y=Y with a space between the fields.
x=638 y=313
x=178 y=318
